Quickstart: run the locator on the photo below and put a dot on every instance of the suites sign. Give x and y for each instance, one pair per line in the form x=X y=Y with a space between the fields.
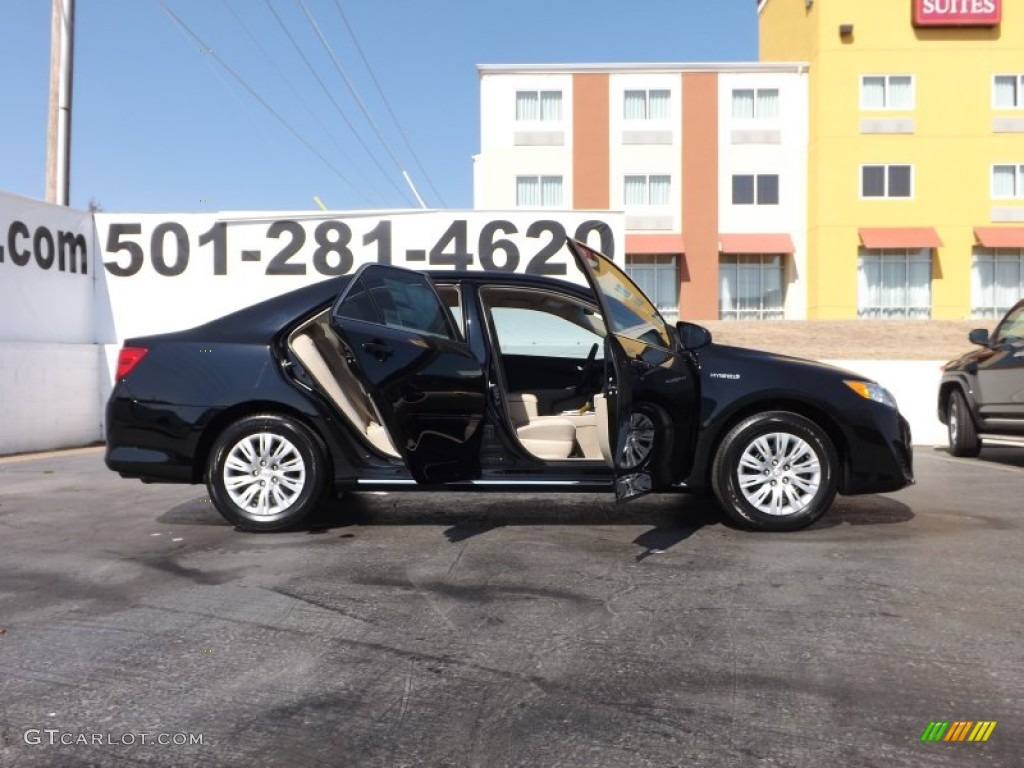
x=957 y=13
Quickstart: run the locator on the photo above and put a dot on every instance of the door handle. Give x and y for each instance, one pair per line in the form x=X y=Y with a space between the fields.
x=378 y=349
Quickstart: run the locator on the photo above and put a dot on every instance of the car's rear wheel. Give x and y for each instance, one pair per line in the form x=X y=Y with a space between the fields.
x=775 y=471
x=266 y=472
x=963 y=435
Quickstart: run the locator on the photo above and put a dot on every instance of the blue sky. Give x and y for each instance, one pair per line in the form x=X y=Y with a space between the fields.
x=160 y=125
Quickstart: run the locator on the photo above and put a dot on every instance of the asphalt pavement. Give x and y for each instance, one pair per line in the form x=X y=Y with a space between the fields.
x=493 y=630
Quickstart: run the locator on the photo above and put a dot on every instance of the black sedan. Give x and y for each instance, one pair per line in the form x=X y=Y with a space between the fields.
x=389 y=379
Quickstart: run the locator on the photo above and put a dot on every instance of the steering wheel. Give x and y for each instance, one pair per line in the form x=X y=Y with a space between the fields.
x=586 y=368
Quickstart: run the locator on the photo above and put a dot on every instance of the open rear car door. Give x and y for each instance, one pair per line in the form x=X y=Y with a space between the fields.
x=424 y=382
x=650 y=387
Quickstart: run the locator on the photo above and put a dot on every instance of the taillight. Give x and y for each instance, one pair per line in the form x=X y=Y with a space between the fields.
x=128 y=359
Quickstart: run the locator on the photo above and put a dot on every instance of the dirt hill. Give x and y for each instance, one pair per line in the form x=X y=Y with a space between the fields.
x=852 y=339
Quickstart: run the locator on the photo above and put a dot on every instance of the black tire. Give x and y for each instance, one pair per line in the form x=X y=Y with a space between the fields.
x=797 y=494
x=282 y=494
x=963 y=435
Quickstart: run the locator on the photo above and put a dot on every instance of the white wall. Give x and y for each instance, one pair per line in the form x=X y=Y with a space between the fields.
x=49 y=359
x=627 y=159
x=501 y=159
x=49 y=395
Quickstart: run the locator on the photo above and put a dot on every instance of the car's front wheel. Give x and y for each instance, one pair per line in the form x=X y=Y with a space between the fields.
x=775 y=471
x=266 y=472
x=963 y=436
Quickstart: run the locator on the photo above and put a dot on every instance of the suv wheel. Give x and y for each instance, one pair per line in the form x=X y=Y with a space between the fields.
x=266 y=472
x=775 y=471
x=963 y=435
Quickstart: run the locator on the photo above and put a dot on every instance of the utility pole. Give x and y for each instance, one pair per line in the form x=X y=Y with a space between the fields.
x=58 y=129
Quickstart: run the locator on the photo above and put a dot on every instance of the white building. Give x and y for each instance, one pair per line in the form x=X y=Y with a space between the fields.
x=707 y=161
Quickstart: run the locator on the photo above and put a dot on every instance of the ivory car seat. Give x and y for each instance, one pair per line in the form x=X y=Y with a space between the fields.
x=601 y=410
x=546 y=437
x=321 y=354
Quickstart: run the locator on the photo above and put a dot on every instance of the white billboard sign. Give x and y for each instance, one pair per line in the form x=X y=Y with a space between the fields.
x=46 y=272
x=167 y=271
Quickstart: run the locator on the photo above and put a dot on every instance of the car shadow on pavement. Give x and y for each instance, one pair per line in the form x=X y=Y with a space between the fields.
x=1007 y=455
x=672 y=518
x=872 y=509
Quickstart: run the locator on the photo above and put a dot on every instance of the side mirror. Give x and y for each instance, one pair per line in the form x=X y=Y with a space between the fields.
x=978 y=336
x=693 y=336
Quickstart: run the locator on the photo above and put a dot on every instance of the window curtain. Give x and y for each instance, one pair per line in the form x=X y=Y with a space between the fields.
x=527 y=191
x=767 y=104
x=1004 y=181
x=919 y=283
x=743 y=104
x=901 y=94
x=550 y=105
x=1006 y=91
x=659 y=190
x=636 y=190
x=726 y=290
x=894 y=283
x=551 y=191
x=526 y=105
x=636 y=105
x=997 y=280
x=659 y=105
x=873 y=92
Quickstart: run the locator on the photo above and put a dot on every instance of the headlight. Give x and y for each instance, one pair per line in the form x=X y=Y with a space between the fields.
x=871 y=390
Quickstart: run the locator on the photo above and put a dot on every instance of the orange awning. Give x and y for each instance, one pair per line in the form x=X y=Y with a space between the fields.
x=655 y=244
x=900 y=237
x=756 y=243
x=1000 y=237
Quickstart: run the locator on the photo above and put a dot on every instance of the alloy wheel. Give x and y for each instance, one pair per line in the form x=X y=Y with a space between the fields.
x=264 y=473
x=639 y=440
x=779 y=473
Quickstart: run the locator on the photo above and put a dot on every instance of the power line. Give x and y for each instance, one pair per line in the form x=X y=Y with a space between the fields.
x=359 y=101
x=380 y=92
x=184 y=27
x=333 y=101
x=288 y=82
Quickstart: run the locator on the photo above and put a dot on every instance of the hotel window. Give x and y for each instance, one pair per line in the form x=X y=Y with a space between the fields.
x=1007 y=181
x=755 y=104
x=1008 y=91
x=658 y=277
x=886 y=181
x=646 y=105
x=539 y=191
x=886 y=92
x=539 y=106
x=647 y=190
x=762 y=189
x=894 y=283
x=750 y=287
x=997 y=280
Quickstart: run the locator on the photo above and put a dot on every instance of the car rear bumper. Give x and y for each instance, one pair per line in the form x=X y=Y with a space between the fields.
x=152 y=441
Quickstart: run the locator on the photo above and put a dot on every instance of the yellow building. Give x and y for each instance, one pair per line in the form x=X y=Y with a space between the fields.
x=916 y=152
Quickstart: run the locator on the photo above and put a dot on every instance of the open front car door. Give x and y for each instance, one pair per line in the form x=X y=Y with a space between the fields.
x=424 y=382
x=650 y=383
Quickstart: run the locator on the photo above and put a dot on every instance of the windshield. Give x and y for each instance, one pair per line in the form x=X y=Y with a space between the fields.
x=631 y=313
x=1012 y=327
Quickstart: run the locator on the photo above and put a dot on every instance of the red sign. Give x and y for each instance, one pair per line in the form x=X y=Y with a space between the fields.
x=957 y=13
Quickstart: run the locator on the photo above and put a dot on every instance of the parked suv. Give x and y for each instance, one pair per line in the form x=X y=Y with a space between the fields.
x=982 y=393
